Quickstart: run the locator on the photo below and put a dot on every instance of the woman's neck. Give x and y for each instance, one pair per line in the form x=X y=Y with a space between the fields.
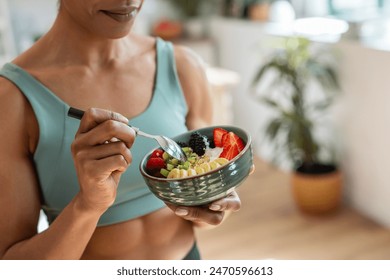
x=69 y=43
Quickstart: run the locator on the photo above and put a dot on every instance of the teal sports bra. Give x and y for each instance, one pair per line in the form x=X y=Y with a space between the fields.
x=53 y=159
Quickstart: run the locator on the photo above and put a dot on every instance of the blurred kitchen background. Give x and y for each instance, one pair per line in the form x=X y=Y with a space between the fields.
x=235 y=38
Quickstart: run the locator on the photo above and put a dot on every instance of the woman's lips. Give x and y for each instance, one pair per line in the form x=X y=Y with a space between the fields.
x=121 y=15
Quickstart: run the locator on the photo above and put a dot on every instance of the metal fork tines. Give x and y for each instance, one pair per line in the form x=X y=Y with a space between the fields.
x=167 y=144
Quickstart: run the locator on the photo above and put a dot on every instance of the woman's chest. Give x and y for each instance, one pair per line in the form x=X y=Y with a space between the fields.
x=126 y=91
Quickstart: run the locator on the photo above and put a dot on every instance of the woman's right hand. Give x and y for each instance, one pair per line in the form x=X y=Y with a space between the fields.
x=101 y=153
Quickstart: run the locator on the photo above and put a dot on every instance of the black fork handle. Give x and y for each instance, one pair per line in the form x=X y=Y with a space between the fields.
x=78 y=114
x=75 y=113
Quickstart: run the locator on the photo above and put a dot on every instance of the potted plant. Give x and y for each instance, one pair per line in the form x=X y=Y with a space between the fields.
x=191 y=12
x=188 y=8
x=294 y=69
x=258 y=10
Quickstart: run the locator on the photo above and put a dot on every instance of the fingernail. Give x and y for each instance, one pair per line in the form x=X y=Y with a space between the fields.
x=215 y=207
x=181 y=212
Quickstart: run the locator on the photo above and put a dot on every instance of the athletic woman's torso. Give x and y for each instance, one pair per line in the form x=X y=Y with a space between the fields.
x=160 y=234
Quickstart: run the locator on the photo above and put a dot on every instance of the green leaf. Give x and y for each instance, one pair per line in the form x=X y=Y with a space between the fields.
x=322 y=105
x=271 y=103
x=264 y=69
x=189 y=8
x=273 y=128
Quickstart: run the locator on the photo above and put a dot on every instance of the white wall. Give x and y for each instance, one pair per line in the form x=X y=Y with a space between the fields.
x=31 y=19
x=365 y=126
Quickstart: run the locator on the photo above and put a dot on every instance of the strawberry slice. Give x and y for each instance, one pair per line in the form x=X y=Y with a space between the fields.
x=231 y=139
x=155 y=164
x=218 y=133
x=157 y=153
x=232 y=145
x=229 y=152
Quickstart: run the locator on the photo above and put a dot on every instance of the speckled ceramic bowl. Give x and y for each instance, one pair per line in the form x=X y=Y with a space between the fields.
x=207 y=187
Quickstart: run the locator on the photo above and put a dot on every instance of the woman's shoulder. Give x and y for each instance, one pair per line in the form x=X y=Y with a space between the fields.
x=10 y=96
x=186 y=57
x=8 y=90
x=191 y=70
x=12 y=101
x=16 y=110
x=190 y=66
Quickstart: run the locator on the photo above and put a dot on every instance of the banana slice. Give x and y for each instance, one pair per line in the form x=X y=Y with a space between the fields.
x=191 y=172
x=174 y=173
x=222 y=161
x=183 y=173
x=197 y=170
x=214 y=165
x=205 y=166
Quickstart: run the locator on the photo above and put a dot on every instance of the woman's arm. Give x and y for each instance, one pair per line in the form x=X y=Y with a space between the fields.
x=192 y=74
x=20 y=202
x=69 y=234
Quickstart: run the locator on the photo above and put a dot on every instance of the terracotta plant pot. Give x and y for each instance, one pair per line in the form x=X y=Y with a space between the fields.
x=168 y=30
x=317 y=193
x=259 y=12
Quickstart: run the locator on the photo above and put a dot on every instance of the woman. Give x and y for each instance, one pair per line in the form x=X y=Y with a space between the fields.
x=81 y=173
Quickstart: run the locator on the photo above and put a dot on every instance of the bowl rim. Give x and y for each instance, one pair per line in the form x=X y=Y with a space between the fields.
x=232 y=161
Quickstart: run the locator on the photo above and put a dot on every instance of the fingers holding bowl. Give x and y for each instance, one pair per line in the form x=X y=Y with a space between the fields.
x=198 y=214
x=212 y=214
x=231 y=202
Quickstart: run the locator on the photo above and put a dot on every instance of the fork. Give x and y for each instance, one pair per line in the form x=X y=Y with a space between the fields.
x=167 y=144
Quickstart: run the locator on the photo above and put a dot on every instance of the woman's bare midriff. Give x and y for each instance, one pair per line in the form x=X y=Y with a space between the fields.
x=158 y=235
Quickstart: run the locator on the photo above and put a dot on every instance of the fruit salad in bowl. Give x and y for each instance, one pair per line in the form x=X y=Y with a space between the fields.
x=219 y=159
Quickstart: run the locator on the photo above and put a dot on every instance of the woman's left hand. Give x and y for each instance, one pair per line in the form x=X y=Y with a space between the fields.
x=211 y=214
